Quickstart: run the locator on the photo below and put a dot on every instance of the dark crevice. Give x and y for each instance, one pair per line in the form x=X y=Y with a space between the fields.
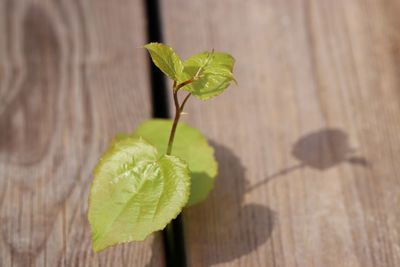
x=173 y=234
x=158 y=83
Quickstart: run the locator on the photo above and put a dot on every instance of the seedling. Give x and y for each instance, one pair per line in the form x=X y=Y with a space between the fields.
x=145 y=179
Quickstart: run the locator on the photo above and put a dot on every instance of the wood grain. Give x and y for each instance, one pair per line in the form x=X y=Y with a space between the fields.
x=71 y=77
x=308 y=143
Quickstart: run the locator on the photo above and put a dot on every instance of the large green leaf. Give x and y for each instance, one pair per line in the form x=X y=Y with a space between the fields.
x=212 y=72
x=135 y=192
x=189 y=145
x=165 y=58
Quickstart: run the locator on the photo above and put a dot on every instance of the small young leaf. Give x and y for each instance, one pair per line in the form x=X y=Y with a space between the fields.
x=211 y=71
x=165 y=58
x=135 y=192
x=189 y=145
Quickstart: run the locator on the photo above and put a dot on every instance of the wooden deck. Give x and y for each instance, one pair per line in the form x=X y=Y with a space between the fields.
x=308 y=142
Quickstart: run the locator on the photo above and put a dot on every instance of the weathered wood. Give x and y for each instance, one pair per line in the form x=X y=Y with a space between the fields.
x=308 y=143
x=71 y=77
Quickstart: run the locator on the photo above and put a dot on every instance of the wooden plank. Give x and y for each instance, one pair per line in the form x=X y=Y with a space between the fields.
x=308 y=143
x=72 y=76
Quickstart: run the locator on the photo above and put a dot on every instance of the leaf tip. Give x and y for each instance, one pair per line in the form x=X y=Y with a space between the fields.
x=235 y=81
x=95 y=246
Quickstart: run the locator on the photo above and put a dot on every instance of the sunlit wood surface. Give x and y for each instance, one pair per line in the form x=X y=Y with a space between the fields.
x=308 y=142
x=71 y=76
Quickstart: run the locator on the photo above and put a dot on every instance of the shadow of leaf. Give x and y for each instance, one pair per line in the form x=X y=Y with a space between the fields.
x=320 y=150
x=324 y=149
x=222 y=228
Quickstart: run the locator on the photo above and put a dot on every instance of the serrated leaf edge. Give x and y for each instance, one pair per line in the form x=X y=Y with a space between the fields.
x=175 y=78
x=163 y=225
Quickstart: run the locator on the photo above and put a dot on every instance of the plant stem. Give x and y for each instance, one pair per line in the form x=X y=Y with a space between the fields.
x=178 y=111
x=174 y=124
x=173 y=231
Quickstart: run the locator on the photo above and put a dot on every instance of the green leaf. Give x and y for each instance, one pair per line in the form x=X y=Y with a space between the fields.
x=135 y=192
x=189 y=145
x=165 y=58
x=212 y=72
